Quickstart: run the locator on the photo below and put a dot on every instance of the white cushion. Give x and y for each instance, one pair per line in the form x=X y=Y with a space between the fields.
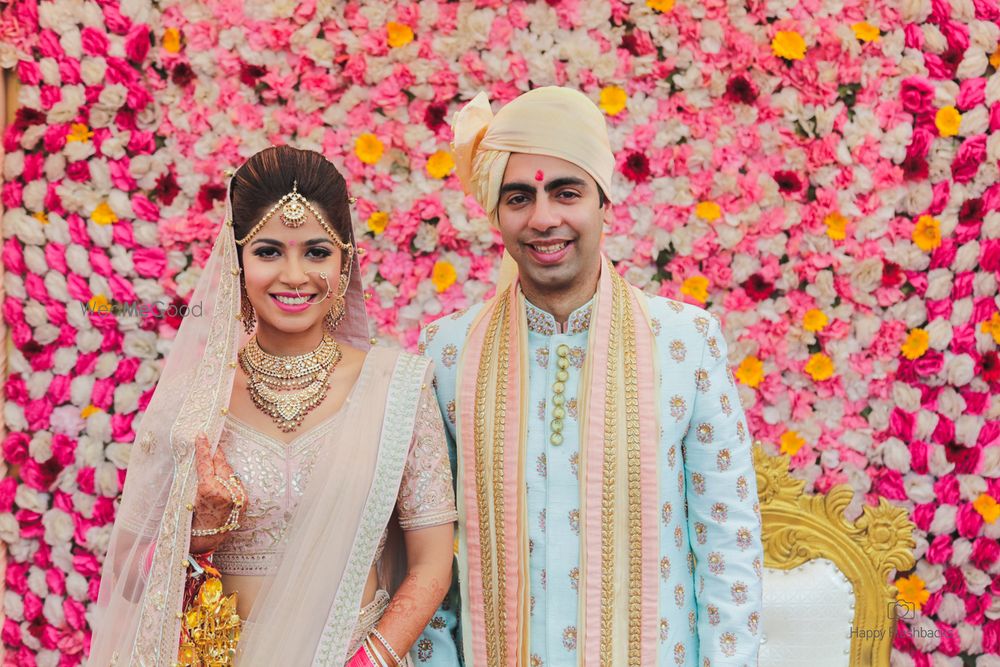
x=808 y=614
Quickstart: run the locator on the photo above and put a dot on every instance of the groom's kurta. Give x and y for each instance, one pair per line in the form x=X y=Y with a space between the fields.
x=709 y=529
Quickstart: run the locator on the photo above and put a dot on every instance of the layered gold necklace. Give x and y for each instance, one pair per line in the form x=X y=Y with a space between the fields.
x=287 y=388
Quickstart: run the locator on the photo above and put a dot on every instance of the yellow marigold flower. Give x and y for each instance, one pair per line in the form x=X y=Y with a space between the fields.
x=440 y=164
x=443 y=276
x=378 y=221
x=789 y=45
x=696 y=287
x=97 y=303
x=89 y=410
x=927 y=233
x=987 y=507
x=103 y=215
x=399 y=34
x=791 y=443
x=708 y=211
x=992 y=327
x=836 y=226
x=815 y=320
x=613 y=100
x=995 y=58
x=172 y=40
x=820 y=367
x=916 y=344
x=911 y=591
x=79 y=132
x=41 y=217
x=866 y=32
x=368 y=148
x=947 y=121
x=660 y=5
x=750 y=371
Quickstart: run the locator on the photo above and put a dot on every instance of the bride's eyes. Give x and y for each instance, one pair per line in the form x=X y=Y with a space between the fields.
x=270 y=252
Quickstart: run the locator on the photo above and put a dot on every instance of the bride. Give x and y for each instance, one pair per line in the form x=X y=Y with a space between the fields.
x=288 y=499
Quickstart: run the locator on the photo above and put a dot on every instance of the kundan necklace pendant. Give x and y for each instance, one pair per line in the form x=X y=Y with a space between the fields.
x=288 y=388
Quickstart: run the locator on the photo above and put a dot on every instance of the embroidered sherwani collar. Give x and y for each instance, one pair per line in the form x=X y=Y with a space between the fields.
x=542 y=322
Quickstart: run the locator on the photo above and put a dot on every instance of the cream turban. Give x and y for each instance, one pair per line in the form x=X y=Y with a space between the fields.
x=553 y=121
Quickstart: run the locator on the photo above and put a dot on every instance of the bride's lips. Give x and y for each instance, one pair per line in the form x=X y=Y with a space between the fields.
x=288 y=308
x=548 y=258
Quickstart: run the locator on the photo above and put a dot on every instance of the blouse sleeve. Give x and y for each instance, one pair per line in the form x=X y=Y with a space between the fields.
x=426 y=496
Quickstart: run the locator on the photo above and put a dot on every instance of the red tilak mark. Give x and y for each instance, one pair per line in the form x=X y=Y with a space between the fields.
x=291 y=243
x=539 y=175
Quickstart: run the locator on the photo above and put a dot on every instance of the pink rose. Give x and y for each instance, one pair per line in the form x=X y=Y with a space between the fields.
x=923 y=515
x=29 y=73
x=917 y=95
x=947 y=490
x=939 y=550
x=113 y=19
x=971 y=92
x=137 y=44
x=989 y=254
x=970 y=155
x=55 y=579
x=986 y=10
x=95 y=42
x=918 y=457
x=86 y=564
x=984 y=553
x=901 y=424
x=913 y=36
x=968 y=521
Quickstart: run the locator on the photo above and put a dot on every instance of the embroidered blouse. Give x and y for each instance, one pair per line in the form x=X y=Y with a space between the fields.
x=275 y=475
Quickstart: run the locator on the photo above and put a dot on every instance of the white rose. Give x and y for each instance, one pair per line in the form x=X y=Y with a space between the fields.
x=950 y=403
x=67 y=108
x=30 y=499
x=34 y=198
x=959 y=369
x=967 y=429
x=106 y=479
x=919 y=488
x=140 y=344
x=940 y=333
x=32 y=136
x=13 y=164
x=58 y=526
x=926 y=423
x=63 y=360
x=938 y=463
x=76 y=585
x=984 y=284
x=973 y=64
x=14 y=416
x=55 y=166
x=53 y=612
x=939 y=282
x=961 y=549
x=89 y=451
x=13 y=603
x=126 y=398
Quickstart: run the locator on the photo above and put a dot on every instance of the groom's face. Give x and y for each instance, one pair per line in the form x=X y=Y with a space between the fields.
x=551 y=219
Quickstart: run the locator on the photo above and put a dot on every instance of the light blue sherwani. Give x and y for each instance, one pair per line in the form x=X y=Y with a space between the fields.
x=711 y=559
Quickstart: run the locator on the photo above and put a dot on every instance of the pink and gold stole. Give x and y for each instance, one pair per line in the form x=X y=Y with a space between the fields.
x=618 y=615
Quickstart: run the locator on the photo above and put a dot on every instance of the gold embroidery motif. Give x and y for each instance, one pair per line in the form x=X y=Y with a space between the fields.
x=634 y=479
x=608 y=490
x=494 y=609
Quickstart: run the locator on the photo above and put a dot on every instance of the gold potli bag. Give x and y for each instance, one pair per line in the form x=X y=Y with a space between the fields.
x=210 y=629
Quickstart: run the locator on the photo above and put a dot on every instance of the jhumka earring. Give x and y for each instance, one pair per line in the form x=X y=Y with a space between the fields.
x=335 y=315
x=249 y=317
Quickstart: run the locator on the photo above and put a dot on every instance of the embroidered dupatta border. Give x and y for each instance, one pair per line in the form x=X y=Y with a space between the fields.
x=408 y=378
x=158 y=637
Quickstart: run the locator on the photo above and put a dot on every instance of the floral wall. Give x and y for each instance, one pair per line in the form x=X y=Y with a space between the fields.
x=820 y=174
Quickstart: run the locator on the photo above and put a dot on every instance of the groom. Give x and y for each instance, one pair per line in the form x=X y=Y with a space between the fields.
x=607 y=496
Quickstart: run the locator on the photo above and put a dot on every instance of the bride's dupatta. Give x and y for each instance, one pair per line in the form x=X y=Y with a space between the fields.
x=306 y=613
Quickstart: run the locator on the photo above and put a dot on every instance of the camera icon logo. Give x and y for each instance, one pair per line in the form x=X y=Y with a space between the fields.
x=900 y=609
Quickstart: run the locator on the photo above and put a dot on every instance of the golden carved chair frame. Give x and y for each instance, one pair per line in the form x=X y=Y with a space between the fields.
x=799 y=527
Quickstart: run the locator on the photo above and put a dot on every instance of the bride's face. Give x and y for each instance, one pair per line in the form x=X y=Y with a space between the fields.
x=279 y=260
